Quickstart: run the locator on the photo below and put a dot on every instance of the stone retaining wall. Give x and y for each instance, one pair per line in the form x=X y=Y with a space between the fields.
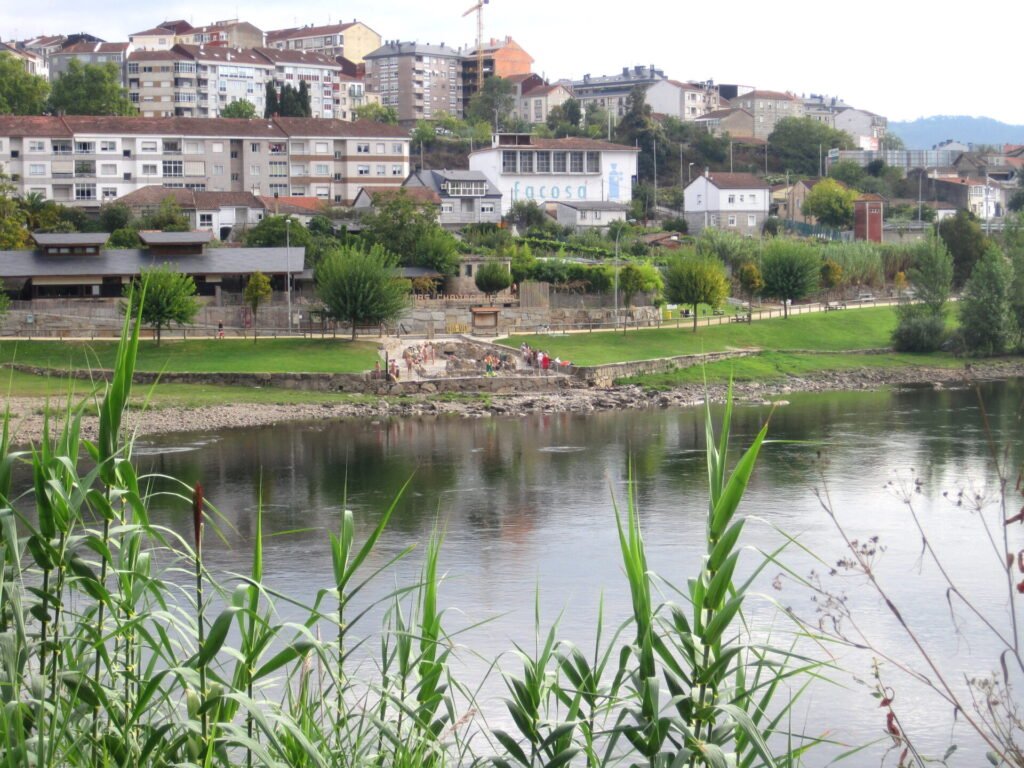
x=606 y=375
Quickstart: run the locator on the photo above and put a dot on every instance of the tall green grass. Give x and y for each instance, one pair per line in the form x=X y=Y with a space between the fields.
x=119 y=648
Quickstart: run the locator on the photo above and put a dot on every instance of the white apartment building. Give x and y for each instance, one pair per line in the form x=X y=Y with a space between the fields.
x=737 y=202
x=321 y=74
x=683 y=101
x=86 y=161
x=525 y=167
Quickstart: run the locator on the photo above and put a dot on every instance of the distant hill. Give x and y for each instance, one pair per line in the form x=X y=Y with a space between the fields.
x=926 y=132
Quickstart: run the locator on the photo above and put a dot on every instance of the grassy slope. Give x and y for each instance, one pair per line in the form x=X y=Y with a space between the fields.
x=203 y=355
x=831 y=332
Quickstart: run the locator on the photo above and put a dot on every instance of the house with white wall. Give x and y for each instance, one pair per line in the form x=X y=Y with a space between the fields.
x=526 y=167
x=735 y=202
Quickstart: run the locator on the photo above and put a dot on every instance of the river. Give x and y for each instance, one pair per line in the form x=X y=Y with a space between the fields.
x=526 y=506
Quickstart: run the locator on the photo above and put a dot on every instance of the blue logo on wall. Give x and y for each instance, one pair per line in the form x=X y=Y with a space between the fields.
x=614 y=179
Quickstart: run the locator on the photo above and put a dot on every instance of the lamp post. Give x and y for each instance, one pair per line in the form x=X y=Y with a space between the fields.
x=288 y=268
x=616 y=289
x=688 y=172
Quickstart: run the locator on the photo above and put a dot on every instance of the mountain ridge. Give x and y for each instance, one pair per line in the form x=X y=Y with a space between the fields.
x=926 y=132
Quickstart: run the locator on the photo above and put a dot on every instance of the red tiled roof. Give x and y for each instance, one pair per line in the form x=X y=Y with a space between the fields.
x=96 y=48
x=770 y=95
x=686 y=86
x=737 y=181
x=308 y=126
x=154 y=194
x=34 y=125
x=293 y=33
x=292 y=56
x=152 y=32
x=168 y=55
x=222 y=54
x=417 y=194
x=302 y=205
x=720 y=114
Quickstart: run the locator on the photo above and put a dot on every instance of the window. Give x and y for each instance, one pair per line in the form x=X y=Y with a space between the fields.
x=380 y=170
x=298 y=169
x=362 y=149
x=279 y=189
x=108 y=169
x=508 y=162
x=149 y=169
x=593 y=162
x=732 y=220
x=397 y=149
x=218 y=170
x=751 y=220
x=108 y=146
x=321 y=169
x=322 y=148
x=576 y=162
x=298 y=191
x=486 y=207
x=205 y=219
x=363 y=170
x=173 y=168
x=254 y=170
x=299 y=147
x=732 y=199
x=753 y=199
x=85 y=147
x=37 y=169
x=526 y=162
x=278 y=169
x=396 y=170
x=217 y=146
x=254 y=146
x=85 y=168
x=559 y=164
x=447 y=208
x=109 y=193
x=85 y=191
x=323 y=192
x=543 y=162
x=380 y=148
x=148 y=146
x=195 y=168
x=193 y=148
x=37 y=146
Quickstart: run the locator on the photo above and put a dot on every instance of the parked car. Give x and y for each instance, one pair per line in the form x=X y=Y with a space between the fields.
x=865 y=297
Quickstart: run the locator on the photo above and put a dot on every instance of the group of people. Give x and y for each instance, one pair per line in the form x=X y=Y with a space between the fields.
x=540 y=359
x=417 y=355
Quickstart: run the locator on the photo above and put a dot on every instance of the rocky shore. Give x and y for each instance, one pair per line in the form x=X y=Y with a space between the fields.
x=27 y=419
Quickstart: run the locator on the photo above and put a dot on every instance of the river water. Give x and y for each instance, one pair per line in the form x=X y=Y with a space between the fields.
x=527 y=509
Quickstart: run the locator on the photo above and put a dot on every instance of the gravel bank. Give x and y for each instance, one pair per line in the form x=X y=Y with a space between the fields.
x=27 y=418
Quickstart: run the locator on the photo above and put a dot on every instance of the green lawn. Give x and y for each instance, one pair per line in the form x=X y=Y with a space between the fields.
x=825 y=332
x=203 y=355
x=777 y=366
x=17 y=384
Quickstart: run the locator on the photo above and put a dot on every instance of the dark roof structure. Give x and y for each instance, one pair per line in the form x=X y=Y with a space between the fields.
x=129 y=262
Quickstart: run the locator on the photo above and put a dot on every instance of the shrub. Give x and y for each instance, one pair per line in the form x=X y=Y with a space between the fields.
x=919 y=330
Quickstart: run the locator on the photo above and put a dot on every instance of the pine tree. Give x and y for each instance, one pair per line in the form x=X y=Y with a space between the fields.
x=273 y=107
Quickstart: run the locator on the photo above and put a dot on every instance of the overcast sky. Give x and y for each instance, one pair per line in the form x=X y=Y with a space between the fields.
x=900 y=59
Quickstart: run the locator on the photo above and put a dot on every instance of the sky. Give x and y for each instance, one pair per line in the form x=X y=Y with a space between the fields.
x=903 y=60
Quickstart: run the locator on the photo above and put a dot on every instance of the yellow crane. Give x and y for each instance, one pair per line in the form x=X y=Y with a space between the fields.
x=479 y=10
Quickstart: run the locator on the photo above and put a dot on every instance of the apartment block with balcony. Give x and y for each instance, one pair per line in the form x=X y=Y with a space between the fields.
x=610 y=92
x=321 y=74
x=352 y=40
x=866 y=128
x=421 y=81
x=768 y=108
x=85 y=161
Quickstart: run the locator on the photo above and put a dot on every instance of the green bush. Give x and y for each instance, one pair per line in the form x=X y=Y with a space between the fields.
x=919 y=330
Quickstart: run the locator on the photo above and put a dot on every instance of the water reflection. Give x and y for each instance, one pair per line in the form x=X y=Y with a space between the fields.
x=526 y=504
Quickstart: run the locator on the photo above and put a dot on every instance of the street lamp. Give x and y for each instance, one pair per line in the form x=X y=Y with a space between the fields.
x=288 y=268
x=616 y=290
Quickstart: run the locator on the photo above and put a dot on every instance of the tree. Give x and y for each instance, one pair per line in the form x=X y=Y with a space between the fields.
x=694 y=280
x=799 y=144
x=272 y=232
x=242 y=109
x=359 y=286
x=378 y=113
x=849 y=172
x=791 y=271
x=932 y=275
x=987 y=324
x=21 y=93
x=409 y=229
x=257 y=290
x=303 y=101
x=126 y=237
x=831 y=275
x=493 y=103
x=90 y=89
x=114 y=216
x=272 y=104
x=170 y=297
x=526 y=214
x=830 y=203
x=966 y=242
x=637 y=278
x=167 y=218
x=751 y=282
x=1013 y=246
x=13 y=233
x=38 y=213
x=5 y=304
x=491 y=278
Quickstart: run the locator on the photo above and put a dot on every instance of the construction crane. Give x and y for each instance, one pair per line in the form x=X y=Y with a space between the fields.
x=479 y=9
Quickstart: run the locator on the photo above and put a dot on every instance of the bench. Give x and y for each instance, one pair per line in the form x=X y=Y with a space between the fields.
x=740 y=319
x=833 y=307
